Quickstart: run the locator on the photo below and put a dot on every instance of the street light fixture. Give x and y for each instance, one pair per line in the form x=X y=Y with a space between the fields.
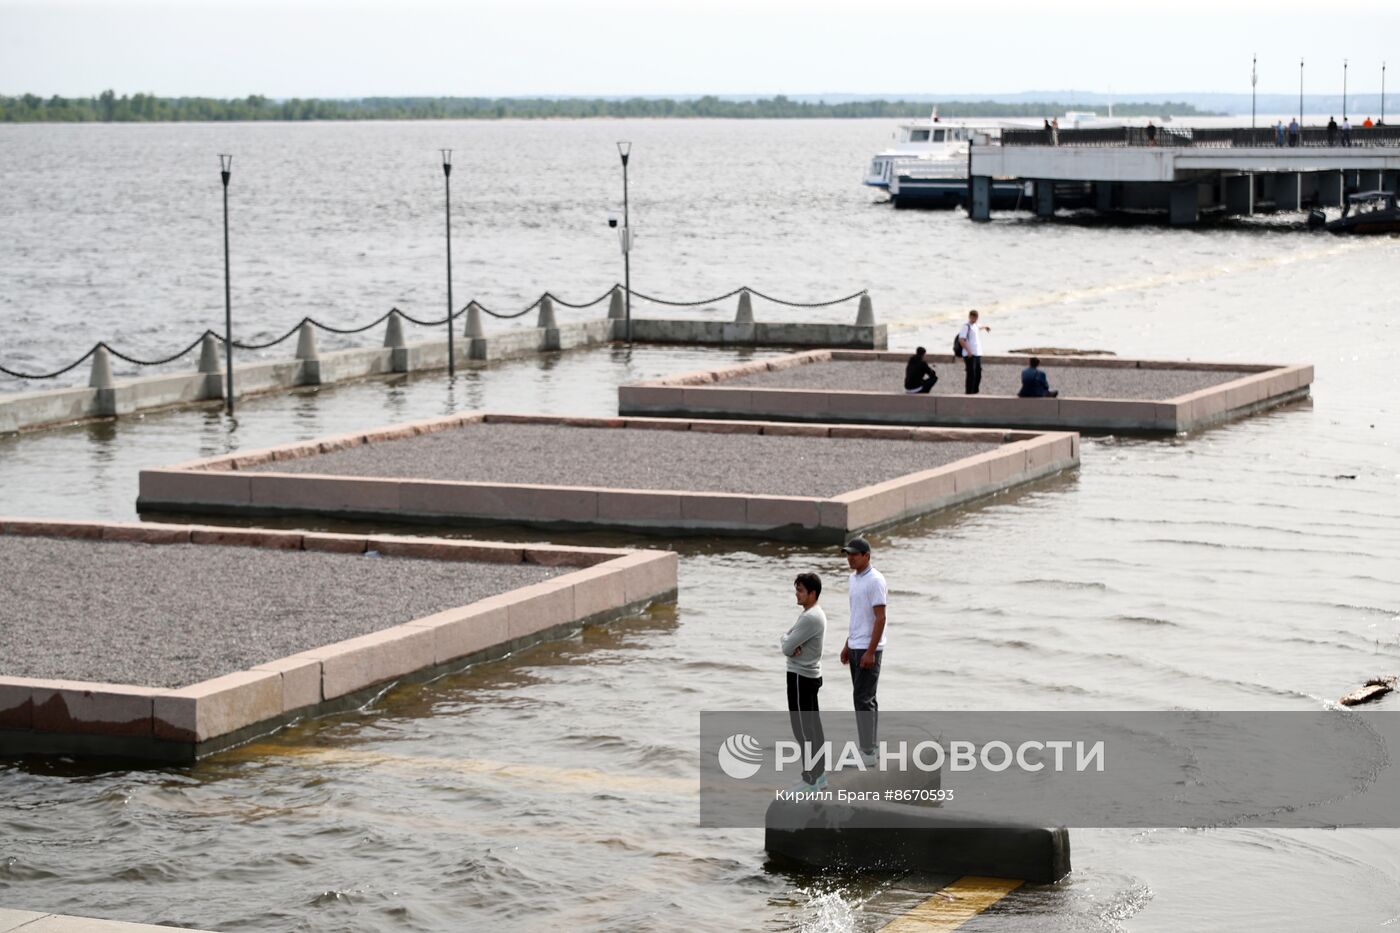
x=624 y=149
x=447 y=183
x=225 y=171
x=1344 y=90
x=1300 y=101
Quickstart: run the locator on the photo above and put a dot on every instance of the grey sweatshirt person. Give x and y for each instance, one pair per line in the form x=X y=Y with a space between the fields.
x=806 y=633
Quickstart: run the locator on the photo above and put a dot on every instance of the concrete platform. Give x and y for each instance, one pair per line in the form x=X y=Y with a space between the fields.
x=357 y=613
x=866 y=387
x=817 y=483
x=37 y=921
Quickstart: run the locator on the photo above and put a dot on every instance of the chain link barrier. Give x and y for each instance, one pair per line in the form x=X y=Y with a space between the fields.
x=500 y=315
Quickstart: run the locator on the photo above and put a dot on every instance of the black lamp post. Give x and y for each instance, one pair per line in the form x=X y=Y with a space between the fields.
x=447 y=182
x=624 y=149
x=1300 y=101
x=1382 y=92
x=1344 y=90
x=225 y=170
x=1253 y=91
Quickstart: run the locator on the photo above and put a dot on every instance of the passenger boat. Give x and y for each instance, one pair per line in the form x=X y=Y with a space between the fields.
x=934 y=143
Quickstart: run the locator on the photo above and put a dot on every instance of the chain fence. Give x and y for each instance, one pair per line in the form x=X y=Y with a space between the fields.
x=439 y=322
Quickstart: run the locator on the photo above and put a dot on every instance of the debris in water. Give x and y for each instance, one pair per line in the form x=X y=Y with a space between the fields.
x=1373 y=689
x=1062 y=351
x=1345 y=476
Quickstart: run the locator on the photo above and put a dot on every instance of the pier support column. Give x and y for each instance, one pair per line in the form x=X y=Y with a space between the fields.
x=981 y=208
x=1044 y=198
x=1239 y=194
x=1368 y=180
x=1391 y=181
x=1288 y=191
x=1329 y=189
x=1103 y=195
x=1185 y=204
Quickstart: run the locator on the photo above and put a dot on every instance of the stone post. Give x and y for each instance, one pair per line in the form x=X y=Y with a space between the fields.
x=395 y=344
x=549 y=339
x=105 y=398
x=547 y=321
x=101 y=377
x=474 y=328
x=617 y=308
x=393 y=334
x=310 y=359
x=745 y=313
x=865 y=317
x=209 y=358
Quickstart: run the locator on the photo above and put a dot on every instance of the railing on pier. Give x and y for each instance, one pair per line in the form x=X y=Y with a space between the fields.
x=1226 y=137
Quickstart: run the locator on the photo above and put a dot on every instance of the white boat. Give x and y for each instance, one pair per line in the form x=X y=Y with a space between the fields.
x=933 y=144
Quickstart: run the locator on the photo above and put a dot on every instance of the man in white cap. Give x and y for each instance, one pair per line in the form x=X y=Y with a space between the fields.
x=865 y=643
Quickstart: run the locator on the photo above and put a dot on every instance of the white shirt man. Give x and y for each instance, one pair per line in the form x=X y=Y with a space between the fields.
x=865 y=643
x=970 y=340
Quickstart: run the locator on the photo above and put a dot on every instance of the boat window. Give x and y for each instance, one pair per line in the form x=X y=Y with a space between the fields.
x=918 y=136
x=938 y=136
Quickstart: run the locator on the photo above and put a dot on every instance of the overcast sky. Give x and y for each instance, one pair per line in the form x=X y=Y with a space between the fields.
x=321 y=48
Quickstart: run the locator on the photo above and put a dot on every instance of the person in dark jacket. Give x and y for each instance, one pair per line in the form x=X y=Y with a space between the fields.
x=1034 y=383
x=919 y=376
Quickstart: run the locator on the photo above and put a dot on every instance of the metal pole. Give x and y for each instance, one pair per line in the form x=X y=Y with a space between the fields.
x=1253 y=93
x=225 y=170
x=447 y=183
x=1300 y=101
x=626 y=249
x=1344 y=89
x=1382 y=92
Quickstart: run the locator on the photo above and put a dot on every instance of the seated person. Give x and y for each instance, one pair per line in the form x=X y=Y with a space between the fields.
x=919 y=376
x=1033 y=382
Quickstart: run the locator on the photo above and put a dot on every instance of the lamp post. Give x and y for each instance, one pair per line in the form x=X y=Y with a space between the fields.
x=1300 y=100
x=225 y=170
x=1344 y=90
x=1253 y=91
x=1382 y=92
x=447 y=190
x=624 y=149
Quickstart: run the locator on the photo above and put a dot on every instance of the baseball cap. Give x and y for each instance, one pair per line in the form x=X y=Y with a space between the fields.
x=857 y=546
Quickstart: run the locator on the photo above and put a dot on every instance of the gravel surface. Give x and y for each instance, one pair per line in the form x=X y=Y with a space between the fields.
x=565 y=455
x=173 y=615
x=997 y=379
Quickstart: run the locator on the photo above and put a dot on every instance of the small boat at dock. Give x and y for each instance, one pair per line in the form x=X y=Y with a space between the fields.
x=1368 y=212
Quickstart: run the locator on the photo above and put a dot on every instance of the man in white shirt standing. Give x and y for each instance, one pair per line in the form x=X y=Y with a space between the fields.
x=971 y=343
x=865 y=644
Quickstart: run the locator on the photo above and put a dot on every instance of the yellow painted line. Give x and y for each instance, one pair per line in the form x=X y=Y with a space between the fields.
x=952 y=906
x=572 y=779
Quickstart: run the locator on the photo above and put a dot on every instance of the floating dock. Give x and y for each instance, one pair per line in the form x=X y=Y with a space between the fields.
x=175 y=641
x=1183 y=174
x=1096 y=394
x=818 y=483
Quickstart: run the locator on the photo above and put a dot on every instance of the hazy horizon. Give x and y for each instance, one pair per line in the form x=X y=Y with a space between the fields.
x=669 y=48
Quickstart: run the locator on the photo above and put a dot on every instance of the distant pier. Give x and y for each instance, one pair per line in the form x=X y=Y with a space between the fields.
x=1186 y=174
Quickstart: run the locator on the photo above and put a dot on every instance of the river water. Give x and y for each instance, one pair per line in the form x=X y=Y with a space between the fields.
x=1248 y=567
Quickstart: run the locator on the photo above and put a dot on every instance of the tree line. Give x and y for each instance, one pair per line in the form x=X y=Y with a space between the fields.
x=107 y=107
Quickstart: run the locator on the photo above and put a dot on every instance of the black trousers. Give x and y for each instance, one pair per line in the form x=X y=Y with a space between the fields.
x=925 y=384
x=973 y=365
x=863 y=685
x=807 y=723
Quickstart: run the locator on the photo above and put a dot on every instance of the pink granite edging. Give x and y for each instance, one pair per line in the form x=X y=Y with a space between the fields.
x=224 y=485
x=703 y=395
x=606 y=582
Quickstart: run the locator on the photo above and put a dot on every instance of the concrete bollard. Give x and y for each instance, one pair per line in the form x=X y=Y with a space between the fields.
x=617 y=305
x=306 y=342
x=745 y=312
x=393 y=334
x=209 y=355
x=101 y=377
x=546 y=321
x=865 y=317
x=474 y=329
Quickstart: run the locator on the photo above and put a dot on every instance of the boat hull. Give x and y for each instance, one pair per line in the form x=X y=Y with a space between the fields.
x=948 y=193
